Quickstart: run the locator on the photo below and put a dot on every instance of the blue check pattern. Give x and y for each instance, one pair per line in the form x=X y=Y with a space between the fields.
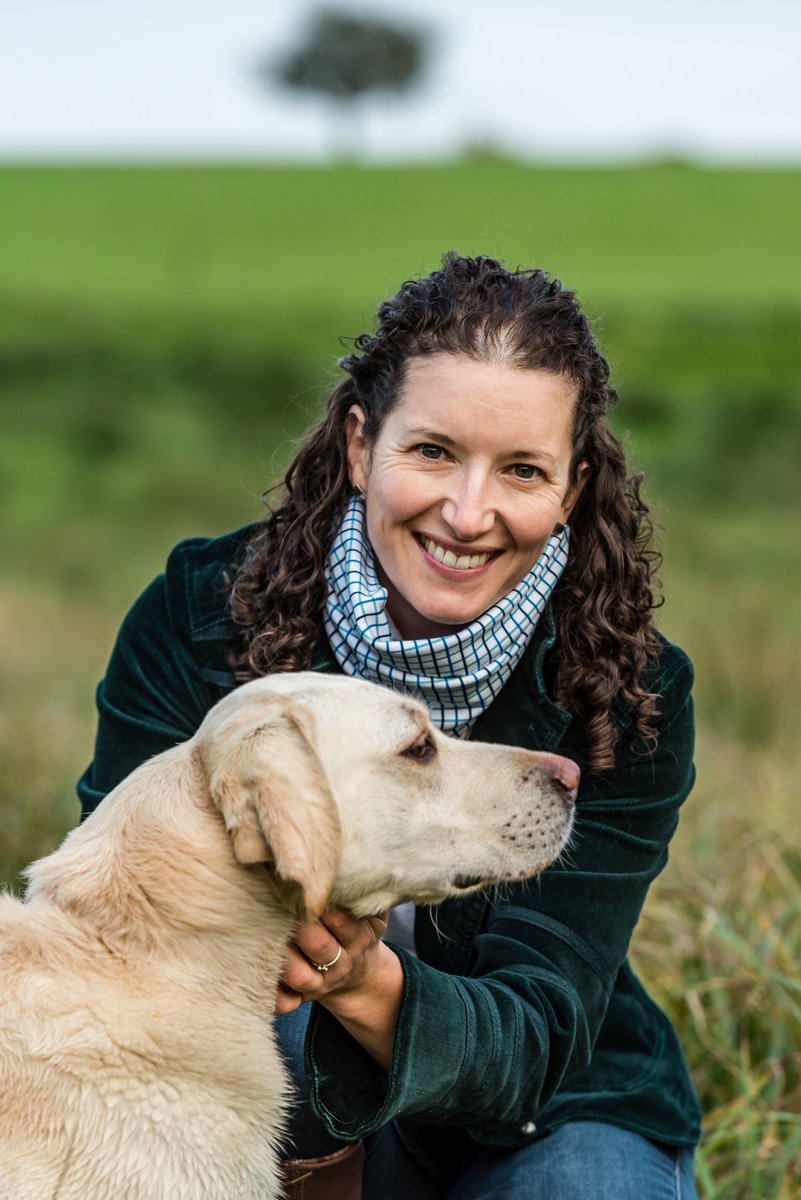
x=457 y=676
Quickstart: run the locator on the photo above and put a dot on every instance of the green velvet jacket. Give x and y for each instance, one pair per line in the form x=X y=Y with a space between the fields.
x=519 y=1014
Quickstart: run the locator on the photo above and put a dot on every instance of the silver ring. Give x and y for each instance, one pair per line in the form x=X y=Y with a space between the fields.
x=327 y=966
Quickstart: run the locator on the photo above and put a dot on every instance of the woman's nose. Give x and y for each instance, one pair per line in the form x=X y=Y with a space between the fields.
x=468 y=508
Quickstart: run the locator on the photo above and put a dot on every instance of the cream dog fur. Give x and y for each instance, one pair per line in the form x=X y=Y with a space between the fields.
x=138 y=978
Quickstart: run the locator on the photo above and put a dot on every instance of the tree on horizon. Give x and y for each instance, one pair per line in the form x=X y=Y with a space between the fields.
x=346 y=56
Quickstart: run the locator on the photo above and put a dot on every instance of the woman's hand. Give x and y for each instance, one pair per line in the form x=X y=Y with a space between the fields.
x=349 y=945
x=362 y=988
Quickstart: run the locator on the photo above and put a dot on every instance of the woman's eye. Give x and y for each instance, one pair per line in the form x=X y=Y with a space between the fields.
x=430 y=453
x=526 y=471
x=422 y=750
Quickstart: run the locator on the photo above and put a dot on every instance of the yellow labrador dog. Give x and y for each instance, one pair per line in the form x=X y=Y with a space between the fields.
x=138 y=978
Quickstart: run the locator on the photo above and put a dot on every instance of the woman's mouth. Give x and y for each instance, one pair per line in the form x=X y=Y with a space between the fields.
x=456 y=562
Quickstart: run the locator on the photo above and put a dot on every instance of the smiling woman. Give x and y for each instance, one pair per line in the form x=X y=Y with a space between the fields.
x=458 y=512
x=505 y=366
x=461 y=526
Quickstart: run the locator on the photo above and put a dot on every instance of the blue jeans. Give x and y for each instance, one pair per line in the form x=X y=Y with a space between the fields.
x=585 y=1160
x=308 y=1137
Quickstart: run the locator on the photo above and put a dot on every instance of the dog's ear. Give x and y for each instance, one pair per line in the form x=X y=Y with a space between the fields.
x=277 y=804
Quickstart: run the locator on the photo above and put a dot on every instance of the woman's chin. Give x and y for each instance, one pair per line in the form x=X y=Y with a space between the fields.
x=428 y=611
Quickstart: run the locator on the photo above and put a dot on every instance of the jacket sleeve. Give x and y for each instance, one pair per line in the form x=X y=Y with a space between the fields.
x=487 y=1051
x=152 y=696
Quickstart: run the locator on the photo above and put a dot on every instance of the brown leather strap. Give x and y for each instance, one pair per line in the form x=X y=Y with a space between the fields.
x=335 y=1177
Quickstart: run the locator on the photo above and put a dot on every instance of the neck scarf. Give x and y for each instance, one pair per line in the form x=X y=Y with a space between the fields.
x=458 y=675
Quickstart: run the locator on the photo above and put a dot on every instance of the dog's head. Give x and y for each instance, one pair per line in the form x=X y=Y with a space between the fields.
x=350 y=797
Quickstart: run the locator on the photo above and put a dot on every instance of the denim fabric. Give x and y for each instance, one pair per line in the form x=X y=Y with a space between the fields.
x=585 y=1160
x=307 y=1137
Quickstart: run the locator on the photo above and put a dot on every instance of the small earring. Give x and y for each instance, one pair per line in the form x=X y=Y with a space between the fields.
x=358 y=491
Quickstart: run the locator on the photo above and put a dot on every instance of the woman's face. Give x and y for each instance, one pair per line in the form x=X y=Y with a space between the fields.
x=464 y=485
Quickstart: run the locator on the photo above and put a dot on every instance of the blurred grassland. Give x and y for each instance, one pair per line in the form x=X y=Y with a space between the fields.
x=165 y=335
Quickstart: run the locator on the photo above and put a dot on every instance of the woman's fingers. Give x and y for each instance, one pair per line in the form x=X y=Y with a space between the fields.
x=353 y=931
x=318 y=943
x=300 y=973
x=286 y=1000
x=339 y=943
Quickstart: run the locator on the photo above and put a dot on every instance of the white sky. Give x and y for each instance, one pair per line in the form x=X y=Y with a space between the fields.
x=586 y=79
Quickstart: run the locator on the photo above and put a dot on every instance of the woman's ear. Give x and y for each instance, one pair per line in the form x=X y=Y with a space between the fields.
x=573 y=492
x=358 y=453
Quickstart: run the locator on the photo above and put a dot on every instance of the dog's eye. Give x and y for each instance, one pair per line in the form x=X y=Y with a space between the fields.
x=422 y=750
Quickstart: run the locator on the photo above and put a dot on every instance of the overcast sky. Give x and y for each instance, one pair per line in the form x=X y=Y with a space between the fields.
x=587 y=79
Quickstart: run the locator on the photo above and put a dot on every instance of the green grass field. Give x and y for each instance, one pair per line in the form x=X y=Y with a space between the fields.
x=165 y=335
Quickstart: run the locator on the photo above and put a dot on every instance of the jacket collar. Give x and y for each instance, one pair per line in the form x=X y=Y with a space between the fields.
x=524 y=714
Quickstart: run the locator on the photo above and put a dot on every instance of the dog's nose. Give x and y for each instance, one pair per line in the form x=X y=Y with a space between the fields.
x=564 y=771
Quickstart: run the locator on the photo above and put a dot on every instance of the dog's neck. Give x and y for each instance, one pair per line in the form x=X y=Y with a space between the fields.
x=149 y=881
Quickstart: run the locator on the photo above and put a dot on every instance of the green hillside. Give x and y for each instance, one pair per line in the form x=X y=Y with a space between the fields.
x=165 y=335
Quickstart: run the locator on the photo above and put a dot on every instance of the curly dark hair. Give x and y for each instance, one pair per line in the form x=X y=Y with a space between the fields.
x=604 y=600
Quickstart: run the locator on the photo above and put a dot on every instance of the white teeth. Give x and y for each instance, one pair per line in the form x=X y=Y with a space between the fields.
x=461 y=562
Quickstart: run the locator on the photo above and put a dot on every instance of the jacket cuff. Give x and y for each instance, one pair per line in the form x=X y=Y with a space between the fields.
x=350 y=1093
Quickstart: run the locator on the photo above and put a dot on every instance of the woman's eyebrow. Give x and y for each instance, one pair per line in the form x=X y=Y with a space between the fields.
x=431 y=434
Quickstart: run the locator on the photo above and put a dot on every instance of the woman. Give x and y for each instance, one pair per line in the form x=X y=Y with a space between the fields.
x=460 y=524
